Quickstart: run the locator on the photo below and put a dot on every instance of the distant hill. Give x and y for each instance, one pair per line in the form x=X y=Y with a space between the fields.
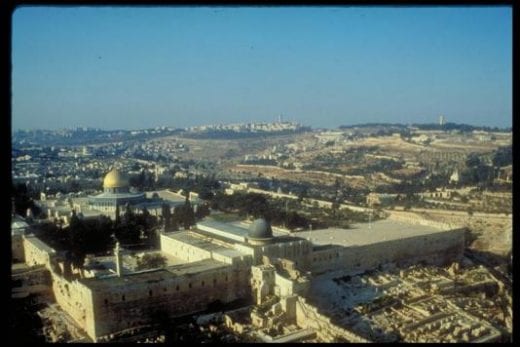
x=429 y=126
x=74 y=137
x=231 y=134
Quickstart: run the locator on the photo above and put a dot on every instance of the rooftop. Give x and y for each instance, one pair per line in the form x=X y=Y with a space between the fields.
x=363 y=234
x=39 y=244
x=106 y=195
x=204 y=241
x=168 y=195
x=245 y=224
x=238 y=233
x=151 y=276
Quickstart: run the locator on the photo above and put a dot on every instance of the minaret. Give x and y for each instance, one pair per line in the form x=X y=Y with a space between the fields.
x=156 y=172
x=119 y=264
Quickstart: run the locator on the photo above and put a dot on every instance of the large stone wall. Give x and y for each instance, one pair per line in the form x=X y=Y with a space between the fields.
x=192 y=253
x=298 y=251
x=134 y=305
x=435 y=248
x=75 y=299
x=17 y=248
x=36 y=251
x=307 y=316
x=183 y=250
x=326 y=259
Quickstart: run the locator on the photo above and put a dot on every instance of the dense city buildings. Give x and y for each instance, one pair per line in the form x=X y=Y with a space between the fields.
x=257 y=281
x=218 y=175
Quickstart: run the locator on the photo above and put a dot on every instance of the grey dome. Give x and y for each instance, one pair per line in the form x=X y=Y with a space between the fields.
x=260 y=229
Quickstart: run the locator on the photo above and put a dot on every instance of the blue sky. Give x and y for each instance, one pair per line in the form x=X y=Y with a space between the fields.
x=140 y=67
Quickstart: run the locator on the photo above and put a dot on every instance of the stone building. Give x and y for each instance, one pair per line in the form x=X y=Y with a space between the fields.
x=18 y=228
x=115 y=193
x=221 y=263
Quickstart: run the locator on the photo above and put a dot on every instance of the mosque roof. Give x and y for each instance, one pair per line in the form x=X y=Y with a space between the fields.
x=115 y=179
x=107 y=195
x=260 y=229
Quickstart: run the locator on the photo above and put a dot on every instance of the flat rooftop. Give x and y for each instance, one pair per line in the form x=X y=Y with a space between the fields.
x=363 y=234
x=245 y=224
x=39 y=244
x=153 y=276
x=204 y=241
x=226 y=228
x=167 y=195
x=106 y=195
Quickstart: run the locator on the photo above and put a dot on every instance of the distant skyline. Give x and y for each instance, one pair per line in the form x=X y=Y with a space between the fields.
x=142 y=67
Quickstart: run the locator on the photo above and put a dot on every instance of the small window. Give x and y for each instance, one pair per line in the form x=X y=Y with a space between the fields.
x=164 y=289
x=177 y=288
x=202 y=283
x=123 y=298
x=226 y=278
x=106 y=302
x=189 y=285
x=150 y=293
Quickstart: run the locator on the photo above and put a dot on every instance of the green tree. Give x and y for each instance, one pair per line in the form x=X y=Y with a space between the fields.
x=23 y=199
x=176 y=218
x=150 y=261
x=473 y=160
x=503 y=156
x=97 y=236
x=256 y=205
x=128 y=231
x=77 y=234
x=118 y=215
x=206 y=194
x=302 y=194
x=202 y=211
x=167 y=215
x=188 y=215
x=147 y=225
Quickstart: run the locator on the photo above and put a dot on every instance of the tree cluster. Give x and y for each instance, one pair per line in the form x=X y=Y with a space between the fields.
x=98 y=236
x=183 y=215
x=503 y=156
x=150 y=261
x=258 y=206
x=23 y=199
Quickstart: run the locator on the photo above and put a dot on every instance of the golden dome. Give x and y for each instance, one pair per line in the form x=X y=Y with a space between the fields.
x=115 y=179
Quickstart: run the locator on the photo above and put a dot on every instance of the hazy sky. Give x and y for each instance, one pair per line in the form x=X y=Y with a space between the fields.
x=140 y=67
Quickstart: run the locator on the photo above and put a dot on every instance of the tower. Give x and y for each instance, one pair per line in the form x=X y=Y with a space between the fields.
x=442 y=120
x=119 y=263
